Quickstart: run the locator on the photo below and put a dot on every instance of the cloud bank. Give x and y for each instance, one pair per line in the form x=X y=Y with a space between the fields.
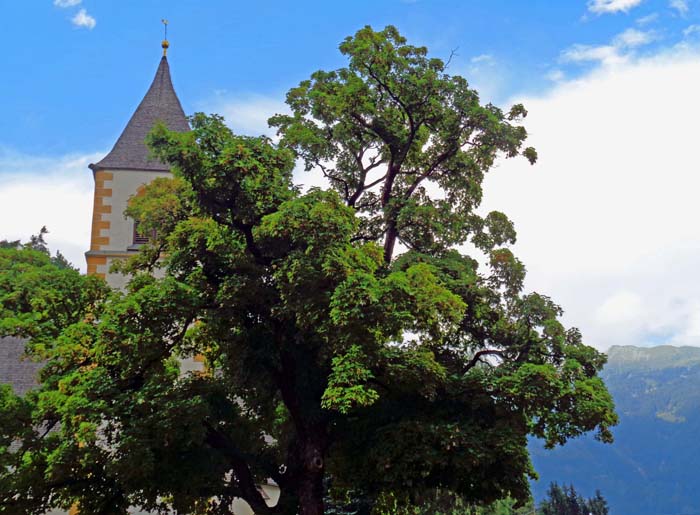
x=55 y=192
x=607 y=218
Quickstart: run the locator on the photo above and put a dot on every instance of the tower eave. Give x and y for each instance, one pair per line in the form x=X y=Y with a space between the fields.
x=153 y=167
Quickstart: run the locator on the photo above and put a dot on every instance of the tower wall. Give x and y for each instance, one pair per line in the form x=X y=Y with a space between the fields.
x=112 y=232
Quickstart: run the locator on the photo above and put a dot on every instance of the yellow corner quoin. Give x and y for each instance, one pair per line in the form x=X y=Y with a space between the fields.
x=93 y=262
x=97 y=240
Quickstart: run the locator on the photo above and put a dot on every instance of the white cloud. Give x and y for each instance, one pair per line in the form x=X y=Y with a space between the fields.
x=246 y=113
x=555 y=75
x=482 y=59
x=646 y=20
x=691 y=30
x=607 y=219
x=612 y=6
x=55 y=192
x=681 y=6
x=66 y=3
x=606 y=54
x=622 y=307
x=632 y=38
x=618 y=51
x=83 y=19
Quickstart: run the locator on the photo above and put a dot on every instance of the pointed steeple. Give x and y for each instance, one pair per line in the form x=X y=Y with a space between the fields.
x=159 y=104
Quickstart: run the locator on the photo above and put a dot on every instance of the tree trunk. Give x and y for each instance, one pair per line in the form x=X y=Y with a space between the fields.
x=306 y=455
x=389 y=241
x=311 y=481
x=390 y=212
x=311 y=496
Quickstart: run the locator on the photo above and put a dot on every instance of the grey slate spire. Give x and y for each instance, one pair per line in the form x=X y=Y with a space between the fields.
x=159 y=104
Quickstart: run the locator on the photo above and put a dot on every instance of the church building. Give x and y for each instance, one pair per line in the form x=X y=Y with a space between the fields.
x=120 y=175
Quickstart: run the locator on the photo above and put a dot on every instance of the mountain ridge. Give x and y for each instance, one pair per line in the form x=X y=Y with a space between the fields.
x=661 y=356
x=651 y=467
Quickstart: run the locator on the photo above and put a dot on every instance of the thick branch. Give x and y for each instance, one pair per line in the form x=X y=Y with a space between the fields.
x=391 y=223
x=246 y=485
x=364 y=187
x=441 y=159
x=477 y=358
x=252 y=247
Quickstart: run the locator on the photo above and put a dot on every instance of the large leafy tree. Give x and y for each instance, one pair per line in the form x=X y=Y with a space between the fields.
x=345 y=333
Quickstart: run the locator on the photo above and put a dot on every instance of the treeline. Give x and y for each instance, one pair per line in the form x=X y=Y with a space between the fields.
x=564 y=500
x=560 y=500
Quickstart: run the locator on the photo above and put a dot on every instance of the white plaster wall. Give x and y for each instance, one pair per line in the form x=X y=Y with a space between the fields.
x=119 y=281
x=125 y=184
x=115 y=280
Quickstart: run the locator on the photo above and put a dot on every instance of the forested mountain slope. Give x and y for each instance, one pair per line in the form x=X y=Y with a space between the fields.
x=653 y=468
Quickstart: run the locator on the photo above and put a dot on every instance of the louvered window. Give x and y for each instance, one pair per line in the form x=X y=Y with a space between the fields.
x=139 y=237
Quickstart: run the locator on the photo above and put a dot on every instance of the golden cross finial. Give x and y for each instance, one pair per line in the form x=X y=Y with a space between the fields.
x=165 y=43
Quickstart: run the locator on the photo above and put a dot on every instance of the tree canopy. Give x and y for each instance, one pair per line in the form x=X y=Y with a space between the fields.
x=346 y=332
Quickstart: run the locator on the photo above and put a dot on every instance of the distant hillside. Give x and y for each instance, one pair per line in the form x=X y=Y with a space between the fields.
x=653 y=466
x=629 y=357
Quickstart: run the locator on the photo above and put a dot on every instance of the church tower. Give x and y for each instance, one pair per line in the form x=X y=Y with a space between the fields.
x=122 y=172
x=119 y=176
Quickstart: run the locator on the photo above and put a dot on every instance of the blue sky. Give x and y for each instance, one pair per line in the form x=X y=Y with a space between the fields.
x=71 y=88
x=607 y=219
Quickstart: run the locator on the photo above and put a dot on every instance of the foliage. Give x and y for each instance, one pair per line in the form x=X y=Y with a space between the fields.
x=435 y=502
x=328 y=351
x=446 y=503
x=37 y=242
x=40 y=295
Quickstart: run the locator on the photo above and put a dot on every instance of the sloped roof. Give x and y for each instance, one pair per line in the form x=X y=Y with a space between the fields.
x=15 y=369
x=159 y=104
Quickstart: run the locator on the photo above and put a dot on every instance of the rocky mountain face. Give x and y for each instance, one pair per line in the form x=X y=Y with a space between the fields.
x=653 y=468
